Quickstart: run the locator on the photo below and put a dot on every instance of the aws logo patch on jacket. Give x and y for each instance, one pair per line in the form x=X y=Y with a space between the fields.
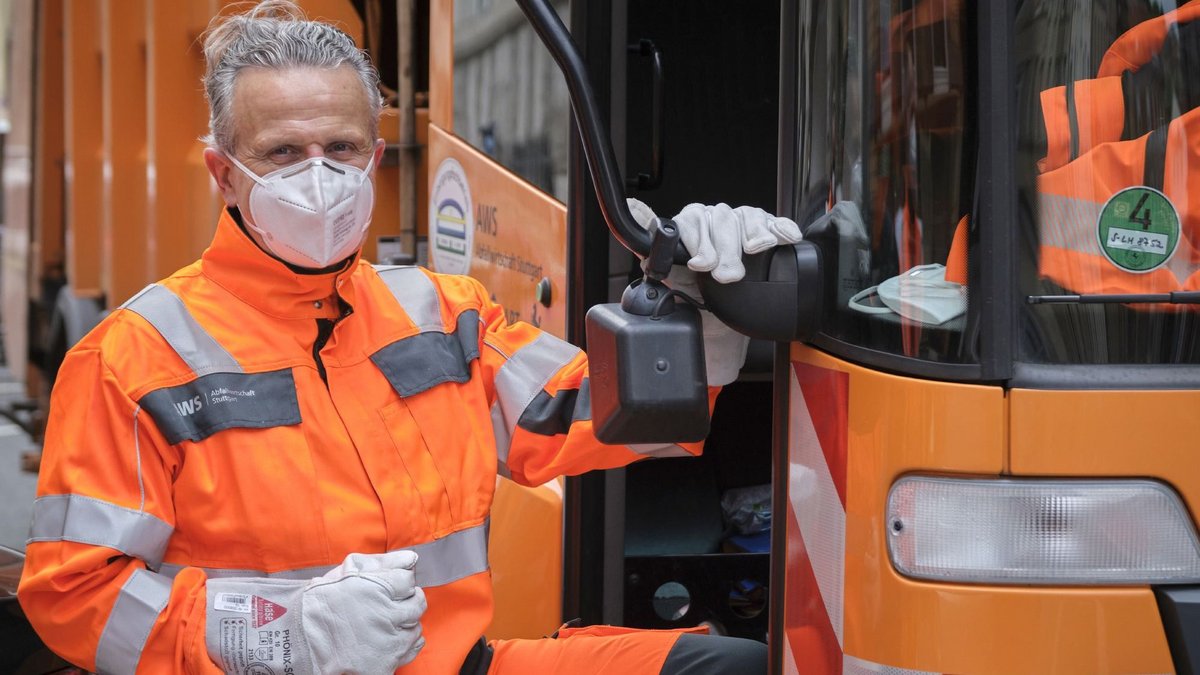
x=223 y=396
x=218 y=401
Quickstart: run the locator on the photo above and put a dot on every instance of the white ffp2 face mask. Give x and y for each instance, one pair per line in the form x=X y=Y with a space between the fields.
x=921 y=294
x=313 y=213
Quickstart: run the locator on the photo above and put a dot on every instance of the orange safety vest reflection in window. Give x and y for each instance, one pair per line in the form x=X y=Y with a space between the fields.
x=1083 y=114
x=1077 y=204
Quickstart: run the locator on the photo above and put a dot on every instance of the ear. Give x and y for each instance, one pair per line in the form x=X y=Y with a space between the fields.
x=221 y=169
x=380 y=146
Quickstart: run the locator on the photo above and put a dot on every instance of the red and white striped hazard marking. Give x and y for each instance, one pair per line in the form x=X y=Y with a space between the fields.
x=818 y=424
x=816 y=521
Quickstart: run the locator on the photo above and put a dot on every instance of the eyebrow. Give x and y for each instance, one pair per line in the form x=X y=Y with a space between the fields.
x=345 y=136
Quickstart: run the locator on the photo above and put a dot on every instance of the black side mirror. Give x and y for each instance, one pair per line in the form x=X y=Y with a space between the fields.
x=634 y=400
x=647 y=358
x=780 y=298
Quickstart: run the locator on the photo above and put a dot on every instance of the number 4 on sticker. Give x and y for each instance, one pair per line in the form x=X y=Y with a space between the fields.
x=1140 y=216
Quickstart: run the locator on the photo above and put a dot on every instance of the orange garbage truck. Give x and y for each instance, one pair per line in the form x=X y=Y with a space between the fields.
x=965 y=437
x=981 y=449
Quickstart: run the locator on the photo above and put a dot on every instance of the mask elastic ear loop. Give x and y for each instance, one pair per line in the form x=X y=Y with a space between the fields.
x=245 y=216
x=366 y=171
x=854 y=304
x=253 y=176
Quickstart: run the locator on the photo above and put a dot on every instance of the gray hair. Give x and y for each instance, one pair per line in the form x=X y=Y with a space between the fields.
x=274 y=34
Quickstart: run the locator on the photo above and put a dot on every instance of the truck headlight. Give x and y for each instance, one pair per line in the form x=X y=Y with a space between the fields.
x=1033 y=531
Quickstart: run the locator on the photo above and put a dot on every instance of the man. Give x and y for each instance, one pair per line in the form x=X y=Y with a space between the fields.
x=281 y=459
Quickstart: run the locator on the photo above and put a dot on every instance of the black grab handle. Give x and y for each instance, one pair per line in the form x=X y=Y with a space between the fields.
x=597 y=147
x=658 y=116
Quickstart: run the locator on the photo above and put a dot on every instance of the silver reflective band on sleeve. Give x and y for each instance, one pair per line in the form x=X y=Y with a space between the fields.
x=170 y=317
x=455 y=556
x=659 y=450
x=520 y=379
x=415 y=293
x=137 y=608
x=86 y=520
x=299 y=574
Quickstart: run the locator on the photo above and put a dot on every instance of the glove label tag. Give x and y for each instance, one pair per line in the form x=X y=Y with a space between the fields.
x=232 y=602
x=264 y=611
x=254 y=653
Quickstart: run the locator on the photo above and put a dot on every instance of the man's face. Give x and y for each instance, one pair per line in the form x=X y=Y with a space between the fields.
x=283 y=117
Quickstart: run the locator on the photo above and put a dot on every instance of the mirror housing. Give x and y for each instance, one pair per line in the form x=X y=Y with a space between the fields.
x=646 y=358
x=780 y=299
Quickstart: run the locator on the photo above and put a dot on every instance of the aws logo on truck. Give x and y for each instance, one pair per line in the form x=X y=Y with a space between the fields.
x=451 y=230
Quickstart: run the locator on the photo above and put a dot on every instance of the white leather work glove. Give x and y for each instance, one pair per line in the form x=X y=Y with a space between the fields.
x=716 y=237
x=361 y=618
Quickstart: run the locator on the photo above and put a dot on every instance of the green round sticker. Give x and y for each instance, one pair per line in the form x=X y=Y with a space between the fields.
x=1138 y=229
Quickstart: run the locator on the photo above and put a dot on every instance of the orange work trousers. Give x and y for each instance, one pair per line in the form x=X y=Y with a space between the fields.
x=597 y=650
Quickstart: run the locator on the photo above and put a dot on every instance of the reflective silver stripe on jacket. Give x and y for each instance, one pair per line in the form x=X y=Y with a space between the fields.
x=137 y=608
x=222 y=396
x=659 y=450
x=1071 y=224
x=521 y=379
x=87 y=520
x=170 y=317
x=552 y=415
x=415 y=293
x=420 y=362
x=455 y=556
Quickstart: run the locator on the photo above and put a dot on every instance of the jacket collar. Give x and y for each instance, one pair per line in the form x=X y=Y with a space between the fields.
x=234 y=262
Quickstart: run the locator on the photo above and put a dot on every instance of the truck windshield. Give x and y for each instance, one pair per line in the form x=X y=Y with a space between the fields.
x=1108 y=152
x=886 y=140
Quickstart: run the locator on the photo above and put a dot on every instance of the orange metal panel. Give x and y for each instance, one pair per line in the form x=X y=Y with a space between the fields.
x=1110 y=433
x=15 y=261
x=978 y=629
x=441 y=63
x=182 y=203
x=84 y=147
x=48 y=213
x=128 y=264
x=385 y=220
x=422 y=123
x=516 y=234
x=525 y=556
x=897 y=425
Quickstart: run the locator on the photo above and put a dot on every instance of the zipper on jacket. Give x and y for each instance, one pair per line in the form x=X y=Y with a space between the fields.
x=324 y=330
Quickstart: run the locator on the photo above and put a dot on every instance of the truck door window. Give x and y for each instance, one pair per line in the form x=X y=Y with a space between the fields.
x=1109 y=169
x=887 y=147
x=510 y=101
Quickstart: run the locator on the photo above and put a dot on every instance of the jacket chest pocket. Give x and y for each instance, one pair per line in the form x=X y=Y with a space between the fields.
x=436 y=435
x=440 y=425
x=246 y=495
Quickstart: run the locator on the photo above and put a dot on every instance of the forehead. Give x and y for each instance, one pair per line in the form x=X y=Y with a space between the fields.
x=299 y=105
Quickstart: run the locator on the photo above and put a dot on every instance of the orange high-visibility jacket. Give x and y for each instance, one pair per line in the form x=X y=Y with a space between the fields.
x=1083 y=114
x=203 y=430
x=1071 y=198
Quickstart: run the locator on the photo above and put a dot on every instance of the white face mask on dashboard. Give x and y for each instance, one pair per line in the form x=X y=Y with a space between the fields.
x=313 y=213
x=921 y=294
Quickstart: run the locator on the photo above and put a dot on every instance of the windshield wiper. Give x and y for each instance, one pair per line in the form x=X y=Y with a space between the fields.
x=1173 y=298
